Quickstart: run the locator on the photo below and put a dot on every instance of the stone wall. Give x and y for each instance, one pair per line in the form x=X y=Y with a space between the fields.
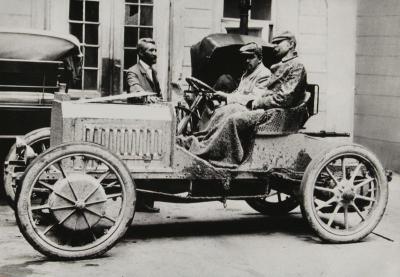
x=377 y=99
x=19 y=13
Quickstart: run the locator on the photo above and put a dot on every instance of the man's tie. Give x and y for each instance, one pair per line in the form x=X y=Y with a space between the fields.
x=155 y=82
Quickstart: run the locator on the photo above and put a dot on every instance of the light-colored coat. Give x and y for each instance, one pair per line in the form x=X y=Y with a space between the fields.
x=138 y=80
x=251 y=86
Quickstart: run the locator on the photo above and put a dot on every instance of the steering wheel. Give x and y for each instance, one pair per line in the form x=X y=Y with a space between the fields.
x=199 y=85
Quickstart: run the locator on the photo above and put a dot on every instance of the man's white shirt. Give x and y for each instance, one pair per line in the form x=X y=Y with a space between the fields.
x=146 y=67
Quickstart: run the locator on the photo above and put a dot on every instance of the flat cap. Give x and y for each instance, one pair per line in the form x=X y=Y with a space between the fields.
x=282 y=36
x=250 y=49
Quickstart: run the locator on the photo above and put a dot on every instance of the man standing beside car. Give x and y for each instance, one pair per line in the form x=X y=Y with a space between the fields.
x=142 y=77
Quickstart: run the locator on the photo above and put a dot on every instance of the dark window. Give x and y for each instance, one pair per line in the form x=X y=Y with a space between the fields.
x=138 y=24
x=260 y=9
x=231 y=8
x=84 y=24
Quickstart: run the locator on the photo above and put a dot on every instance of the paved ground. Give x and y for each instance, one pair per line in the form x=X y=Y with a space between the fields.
x=208 y=240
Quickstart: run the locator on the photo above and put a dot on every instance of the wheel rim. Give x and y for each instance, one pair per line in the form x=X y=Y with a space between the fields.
x=277 y=198
x=76 y=202
x=10 y=173
x=346 y=193
x=275 y=203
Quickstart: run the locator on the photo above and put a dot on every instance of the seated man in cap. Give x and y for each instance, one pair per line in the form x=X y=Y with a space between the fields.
x=287 y=85
x=254 y=79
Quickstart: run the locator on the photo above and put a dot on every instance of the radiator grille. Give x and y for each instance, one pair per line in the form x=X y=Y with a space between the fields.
x=128 y=143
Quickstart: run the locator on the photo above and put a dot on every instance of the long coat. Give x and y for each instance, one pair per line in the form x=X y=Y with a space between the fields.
x=286 y=86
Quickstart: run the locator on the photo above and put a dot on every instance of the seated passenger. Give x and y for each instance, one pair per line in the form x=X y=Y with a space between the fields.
x=288 y=82
x=228 y=139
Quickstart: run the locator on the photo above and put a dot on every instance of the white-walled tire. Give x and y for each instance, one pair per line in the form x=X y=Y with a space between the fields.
x=88 y=204
x=344 y=193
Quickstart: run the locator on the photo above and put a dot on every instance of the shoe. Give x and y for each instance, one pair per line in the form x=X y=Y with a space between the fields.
x=144 y=208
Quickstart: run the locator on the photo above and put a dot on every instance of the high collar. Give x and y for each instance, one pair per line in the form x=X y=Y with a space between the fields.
x=144 y=65
x=246 y=73
x=289 y=56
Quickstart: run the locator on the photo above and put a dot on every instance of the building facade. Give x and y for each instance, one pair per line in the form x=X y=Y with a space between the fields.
x=335 y=42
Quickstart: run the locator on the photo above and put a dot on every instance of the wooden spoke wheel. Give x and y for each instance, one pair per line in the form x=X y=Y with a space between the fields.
x=89 y=201
x=344 y=193
x=276 y=203
x=39 y=141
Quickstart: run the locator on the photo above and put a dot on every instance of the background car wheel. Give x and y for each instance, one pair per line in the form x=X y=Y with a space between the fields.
x=39 y=141
x=88 y=204
x=276 y=203
x=344 y=193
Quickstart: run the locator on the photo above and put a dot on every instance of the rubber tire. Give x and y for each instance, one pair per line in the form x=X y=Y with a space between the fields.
x=31 y=138
x=23 y=196
x=273 y=209
x=307 y=186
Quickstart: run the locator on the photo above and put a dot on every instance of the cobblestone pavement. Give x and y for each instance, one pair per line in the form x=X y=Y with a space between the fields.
x=207 y=240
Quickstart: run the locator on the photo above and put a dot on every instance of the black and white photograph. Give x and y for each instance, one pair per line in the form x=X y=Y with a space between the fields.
x=199 y=138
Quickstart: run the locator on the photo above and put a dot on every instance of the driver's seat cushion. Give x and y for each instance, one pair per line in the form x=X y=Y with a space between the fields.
x=281 y=121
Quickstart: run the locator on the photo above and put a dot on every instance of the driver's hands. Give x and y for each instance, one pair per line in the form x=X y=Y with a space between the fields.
x=220 y=95
x=153 y=99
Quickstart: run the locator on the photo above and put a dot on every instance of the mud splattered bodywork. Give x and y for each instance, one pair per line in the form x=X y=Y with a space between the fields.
x=143 y=136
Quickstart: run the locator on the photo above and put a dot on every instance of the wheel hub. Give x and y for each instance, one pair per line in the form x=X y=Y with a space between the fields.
x=345 y=192
x=78 y=201
x=80 y=205
x=348 y=196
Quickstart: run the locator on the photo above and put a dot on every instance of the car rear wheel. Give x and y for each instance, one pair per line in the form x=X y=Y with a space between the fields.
x=344 y=193
x=86 y=202
x=276 y=203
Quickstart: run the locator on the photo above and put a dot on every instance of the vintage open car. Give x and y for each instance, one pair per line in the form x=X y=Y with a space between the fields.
x=77 y=198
